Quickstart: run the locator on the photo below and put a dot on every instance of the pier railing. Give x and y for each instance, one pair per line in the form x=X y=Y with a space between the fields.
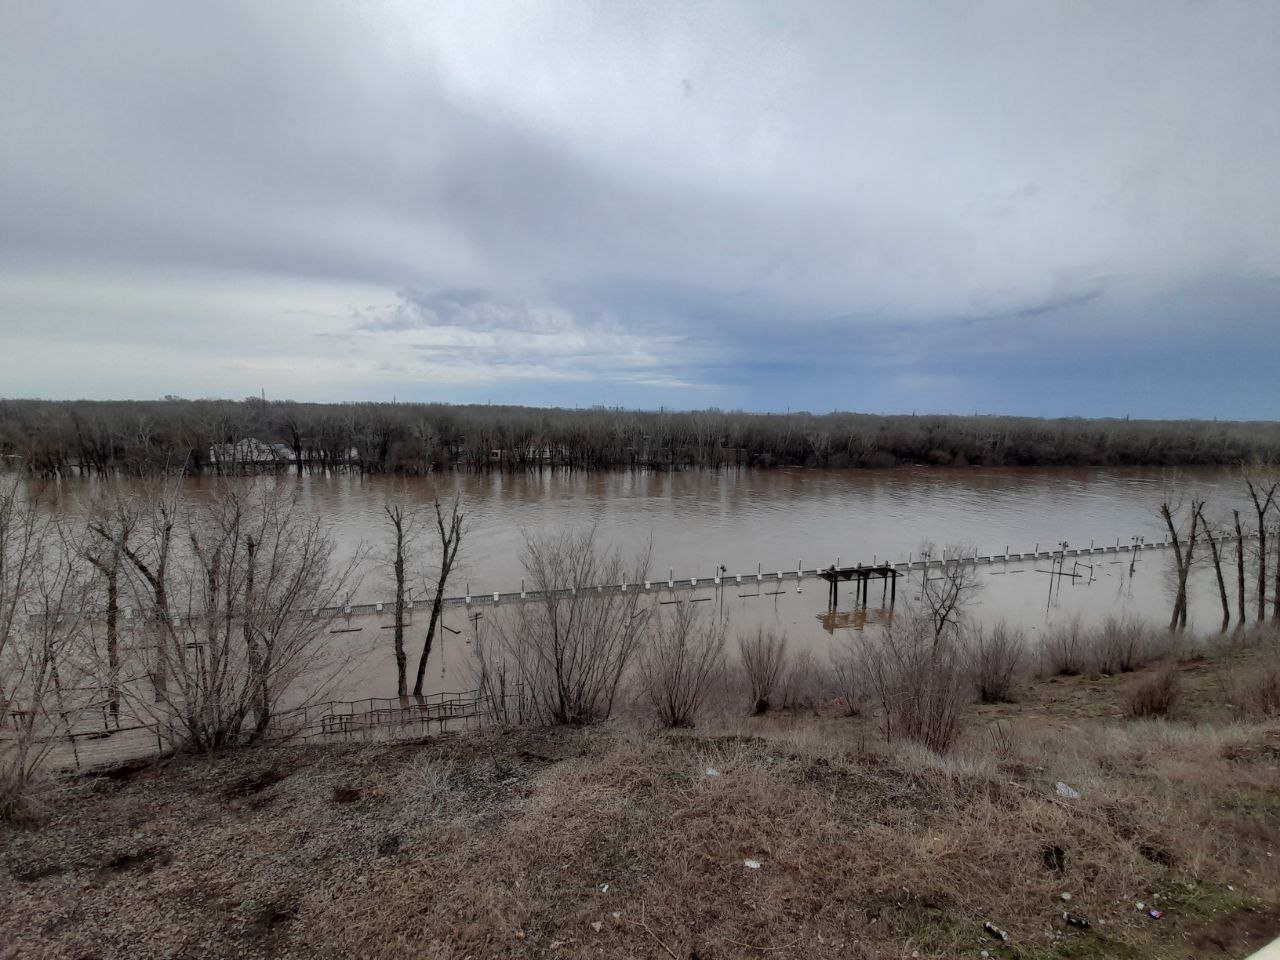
x=720 y=577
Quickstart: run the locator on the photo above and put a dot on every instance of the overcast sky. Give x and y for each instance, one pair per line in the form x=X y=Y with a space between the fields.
x=1018 y=207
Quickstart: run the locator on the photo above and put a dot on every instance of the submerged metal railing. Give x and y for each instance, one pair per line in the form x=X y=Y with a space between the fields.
x=88 y=740
x=717 y=578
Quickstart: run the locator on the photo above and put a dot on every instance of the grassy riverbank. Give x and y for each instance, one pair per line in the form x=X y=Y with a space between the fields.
x=615 y=841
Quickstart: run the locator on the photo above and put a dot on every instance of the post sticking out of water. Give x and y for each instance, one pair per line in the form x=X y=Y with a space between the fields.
x=522 y=593
x=671 y=576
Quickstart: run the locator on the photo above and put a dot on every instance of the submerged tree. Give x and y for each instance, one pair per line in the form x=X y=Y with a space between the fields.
x=402 y=523
x=945 y=590
x=1217 y=567
x=110 y=528
x=1182 y=557
x=1263 y=495
x=450 y=530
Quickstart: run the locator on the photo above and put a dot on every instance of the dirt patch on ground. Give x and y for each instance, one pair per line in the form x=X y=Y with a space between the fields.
x=1239 y=934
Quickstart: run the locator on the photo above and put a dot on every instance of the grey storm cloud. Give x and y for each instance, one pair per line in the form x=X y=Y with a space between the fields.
x=738 y=204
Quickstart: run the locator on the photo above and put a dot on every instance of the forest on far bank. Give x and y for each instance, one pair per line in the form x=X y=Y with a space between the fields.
x=49 y=438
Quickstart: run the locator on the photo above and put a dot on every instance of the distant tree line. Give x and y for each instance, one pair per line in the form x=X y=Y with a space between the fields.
x=50 y=438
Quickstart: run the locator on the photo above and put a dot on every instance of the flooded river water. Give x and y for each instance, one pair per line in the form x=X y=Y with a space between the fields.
x=776 y=520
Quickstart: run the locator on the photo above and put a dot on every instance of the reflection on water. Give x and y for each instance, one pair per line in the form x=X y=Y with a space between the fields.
x=858 y=619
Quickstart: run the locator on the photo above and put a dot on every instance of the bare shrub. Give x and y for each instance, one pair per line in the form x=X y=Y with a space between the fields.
x=918 y=682
x=569 y=648
x=497 y=678
x=680 y=663
x=1157 y=696
x=1120 y=646
x=1064 y=651
x=994 y=657
x=803 y=683
x=1257 y=696
x=850 y=681
x=763 y=658
x=1264 y=696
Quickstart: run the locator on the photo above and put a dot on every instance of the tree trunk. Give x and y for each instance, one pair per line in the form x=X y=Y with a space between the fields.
x=1178 y=620
x=1275 y=593
x=1261 y=505
x=1262 y=569
x=113 y=641
x=250 y=640
x=1239 y=572
x=450 y=539
x=1217 y=569
x=396 y=516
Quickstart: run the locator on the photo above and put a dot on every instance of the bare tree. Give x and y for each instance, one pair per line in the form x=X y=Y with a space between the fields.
x=1182 y=558
x=570 y=645
x=450 y=531
x=110 y=528
x=247 y=617
x=149 y=561
x=1263 y=495
x=680 y=663
x=42 y=607
x=402 y=522
x=947 y=589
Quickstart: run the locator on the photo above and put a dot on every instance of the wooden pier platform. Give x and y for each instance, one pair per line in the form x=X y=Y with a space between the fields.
x=861 y=577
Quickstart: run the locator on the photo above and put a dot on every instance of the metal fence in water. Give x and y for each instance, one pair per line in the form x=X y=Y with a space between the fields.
x=91 y=737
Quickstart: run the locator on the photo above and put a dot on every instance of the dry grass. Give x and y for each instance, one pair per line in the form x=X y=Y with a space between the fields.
x=502 y=845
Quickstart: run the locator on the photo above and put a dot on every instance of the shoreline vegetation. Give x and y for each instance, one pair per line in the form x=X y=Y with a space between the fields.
x=55 y=438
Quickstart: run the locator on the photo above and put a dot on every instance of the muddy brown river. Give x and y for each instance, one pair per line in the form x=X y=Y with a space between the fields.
x=777 y=520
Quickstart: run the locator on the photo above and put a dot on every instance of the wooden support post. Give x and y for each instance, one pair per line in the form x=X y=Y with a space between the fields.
x=893 y=591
